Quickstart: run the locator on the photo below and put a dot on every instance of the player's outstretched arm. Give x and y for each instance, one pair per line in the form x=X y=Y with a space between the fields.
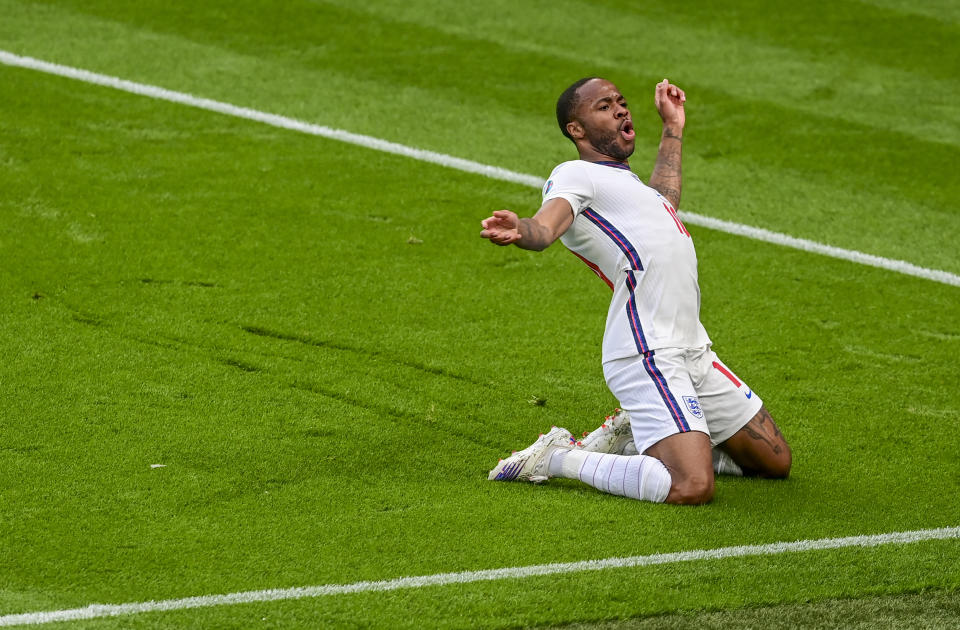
x=536 y=233
x=666 y=177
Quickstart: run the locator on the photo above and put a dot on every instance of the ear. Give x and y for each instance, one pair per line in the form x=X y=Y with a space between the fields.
x=575 y=129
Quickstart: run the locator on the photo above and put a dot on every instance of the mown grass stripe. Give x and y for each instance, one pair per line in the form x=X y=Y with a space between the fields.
x=95 y=611
x=274 y=120
x=469 y=166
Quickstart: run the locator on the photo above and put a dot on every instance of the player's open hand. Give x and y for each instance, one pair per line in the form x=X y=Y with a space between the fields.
x=503 y=228
x=669 y=100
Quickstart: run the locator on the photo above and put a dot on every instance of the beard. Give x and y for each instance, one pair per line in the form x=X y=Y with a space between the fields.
x=606 y=142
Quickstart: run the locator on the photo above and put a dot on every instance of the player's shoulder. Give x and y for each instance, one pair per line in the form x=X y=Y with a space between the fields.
x=573 y=171
x=569 y=176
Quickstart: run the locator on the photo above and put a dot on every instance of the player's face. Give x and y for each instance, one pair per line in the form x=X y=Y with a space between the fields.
x=606 y=120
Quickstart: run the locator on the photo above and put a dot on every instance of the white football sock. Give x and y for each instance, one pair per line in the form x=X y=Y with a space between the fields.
x=635 y=476
x=723 y=464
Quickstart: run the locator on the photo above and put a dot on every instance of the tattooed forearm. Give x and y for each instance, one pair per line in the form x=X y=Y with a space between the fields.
x=672 y=194
x=535 y=236
x=667 y=173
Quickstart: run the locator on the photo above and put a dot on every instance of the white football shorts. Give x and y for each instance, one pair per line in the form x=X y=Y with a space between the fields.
x=675 y=390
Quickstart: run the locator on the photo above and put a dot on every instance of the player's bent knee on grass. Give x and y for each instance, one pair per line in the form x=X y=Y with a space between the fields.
x=689 y=459
x=778 y=468
x=692 y=491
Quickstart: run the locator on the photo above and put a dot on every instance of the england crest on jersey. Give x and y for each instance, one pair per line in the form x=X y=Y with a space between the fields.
x=693 y=404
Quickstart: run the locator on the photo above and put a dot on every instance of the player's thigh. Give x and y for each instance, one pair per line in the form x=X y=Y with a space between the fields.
x=657 y=392
x=737 y=419
x=728 y=403
x=759 y=447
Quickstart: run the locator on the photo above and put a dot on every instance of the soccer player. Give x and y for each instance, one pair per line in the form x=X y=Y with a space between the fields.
x=679 y=400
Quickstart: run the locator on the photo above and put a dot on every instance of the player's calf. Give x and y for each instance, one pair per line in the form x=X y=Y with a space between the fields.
x=555 y=454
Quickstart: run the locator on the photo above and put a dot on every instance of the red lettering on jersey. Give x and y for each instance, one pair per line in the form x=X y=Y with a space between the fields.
x=676 y=219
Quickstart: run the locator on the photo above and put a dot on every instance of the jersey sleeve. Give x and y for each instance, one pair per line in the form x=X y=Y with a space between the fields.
x=570 y=181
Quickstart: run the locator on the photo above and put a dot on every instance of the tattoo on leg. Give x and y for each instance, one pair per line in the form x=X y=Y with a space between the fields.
x=763 y=416
x=761 y=423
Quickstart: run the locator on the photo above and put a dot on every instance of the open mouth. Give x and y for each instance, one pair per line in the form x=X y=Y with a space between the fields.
x=626 y=130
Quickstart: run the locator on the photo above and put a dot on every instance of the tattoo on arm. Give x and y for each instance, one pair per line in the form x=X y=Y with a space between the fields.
x=536 y=237
x=667 y=173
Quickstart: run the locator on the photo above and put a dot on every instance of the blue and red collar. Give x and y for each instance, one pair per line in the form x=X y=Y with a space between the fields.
x=619 y=165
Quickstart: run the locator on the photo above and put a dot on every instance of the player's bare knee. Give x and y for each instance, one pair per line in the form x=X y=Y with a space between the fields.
x=694 y=490
x=775 y=465
x=780 y=468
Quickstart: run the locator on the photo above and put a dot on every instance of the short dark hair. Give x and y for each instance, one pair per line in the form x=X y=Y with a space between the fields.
x=567 y=104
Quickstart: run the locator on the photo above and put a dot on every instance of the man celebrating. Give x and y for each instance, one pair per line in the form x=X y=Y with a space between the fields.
x=679 y=399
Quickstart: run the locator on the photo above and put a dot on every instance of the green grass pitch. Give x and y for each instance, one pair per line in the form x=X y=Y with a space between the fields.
x=239 y=358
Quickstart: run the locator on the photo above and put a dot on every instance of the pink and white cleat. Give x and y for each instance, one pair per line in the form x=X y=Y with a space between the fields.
x=530 y=464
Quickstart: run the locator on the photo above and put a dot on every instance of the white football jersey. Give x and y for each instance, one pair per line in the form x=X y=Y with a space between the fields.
x=631 y=237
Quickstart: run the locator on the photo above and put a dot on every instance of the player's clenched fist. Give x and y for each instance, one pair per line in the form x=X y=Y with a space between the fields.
x=503 y=228
x=669 y=100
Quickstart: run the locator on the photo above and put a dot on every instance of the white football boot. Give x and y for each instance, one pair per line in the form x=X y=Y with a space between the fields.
x=530 y=464
x=613 y=436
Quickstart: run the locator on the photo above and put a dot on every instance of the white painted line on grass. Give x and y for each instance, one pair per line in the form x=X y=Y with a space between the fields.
x=94 y=611
x=760 y=234
x=450 y=161
x=283 y=122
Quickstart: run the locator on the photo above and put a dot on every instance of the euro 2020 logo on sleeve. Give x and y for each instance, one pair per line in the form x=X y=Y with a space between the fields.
x=547 y=187
x=694 y=406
